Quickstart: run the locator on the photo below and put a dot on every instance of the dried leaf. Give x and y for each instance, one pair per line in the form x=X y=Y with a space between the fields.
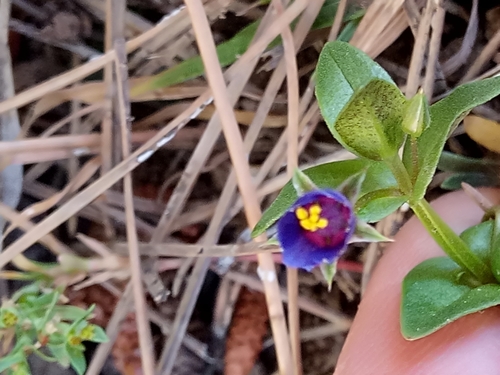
x=483 y=131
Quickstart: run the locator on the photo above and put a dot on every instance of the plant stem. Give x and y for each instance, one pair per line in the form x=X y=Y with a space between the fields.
x=414 y=159
x=399 y=171
x=451 y=243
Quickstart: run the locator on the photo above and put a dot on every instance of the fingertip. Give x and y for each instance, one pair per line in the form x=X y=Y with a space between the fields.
x=375 y=345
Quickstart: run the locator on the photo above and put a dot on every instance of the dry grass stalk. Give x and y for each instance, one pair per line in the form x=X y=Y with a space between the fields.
x=420 y=49
x=437 y=24
x=247 y=190
x=292 y=163
x=145 y=340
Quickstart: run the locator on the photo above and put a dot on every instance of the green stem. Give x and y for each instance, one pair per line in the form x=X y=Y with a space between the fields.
x=414 y=159
x=451 y=243
x=399 y=171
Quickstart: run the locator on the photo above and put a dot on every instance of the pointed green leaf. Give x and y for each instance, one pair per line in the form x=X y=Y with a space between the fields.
x=229 y=51
x=99 y=335
x=454 y=182
x=60 y=353
x=370 y=124
x=445 y=116
x=69 y=312
x=450 y=162
x=10 y=360
x=342 y=70
x=77 y=359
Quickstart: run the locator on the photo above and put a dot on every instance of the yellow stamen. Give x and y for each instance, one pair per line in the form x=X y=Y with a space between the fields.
x=301 y=213
x=310 y=219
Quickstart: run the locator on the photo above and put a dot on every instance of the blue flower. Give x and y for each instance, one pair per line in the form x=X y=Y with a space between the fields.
x=316 y=229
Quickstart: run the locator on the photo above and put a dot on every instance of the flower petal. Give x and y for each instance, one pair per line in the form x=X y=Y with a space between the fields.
x=316 y=229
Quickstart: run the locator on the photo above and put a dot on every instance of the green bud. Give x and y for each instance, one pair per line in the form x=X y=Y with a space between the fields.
x=416 y=117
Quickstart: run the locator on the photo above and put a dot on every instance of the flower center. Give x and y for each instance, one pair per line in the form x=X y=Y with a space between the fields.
x=310 y=218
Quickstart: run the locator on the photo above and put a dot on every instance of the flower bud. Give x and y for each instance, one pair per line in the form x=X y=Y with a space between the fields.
x=416 y=117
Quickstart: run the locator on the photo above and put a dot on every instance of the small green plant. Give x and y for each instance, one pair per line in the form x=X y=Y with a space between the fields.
x=36 y=321
x=399 y=144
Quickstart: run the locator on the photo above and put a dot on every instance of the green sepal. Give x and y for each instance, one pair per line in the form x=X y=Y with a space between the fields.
x=302 y=183
x=366 y=233
x=328 y=270
x=351 y=187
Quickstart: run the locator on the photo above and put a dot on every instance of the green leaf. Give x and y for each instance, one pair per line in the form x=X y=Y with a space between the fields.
x=377 y=204
x=328 y=11
x=77 y=359
x=10 y=360
x=494 y=237
x=445 y=115
x=229 y=51
x=450 y=162
x=478 y=239
x=435 y=294
x=454 y=182
x=99 y=334
x=328 y=175
x=370 y=124
x=68 y=312
x=60 y=353
x=342 y=70
x=437 y=291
